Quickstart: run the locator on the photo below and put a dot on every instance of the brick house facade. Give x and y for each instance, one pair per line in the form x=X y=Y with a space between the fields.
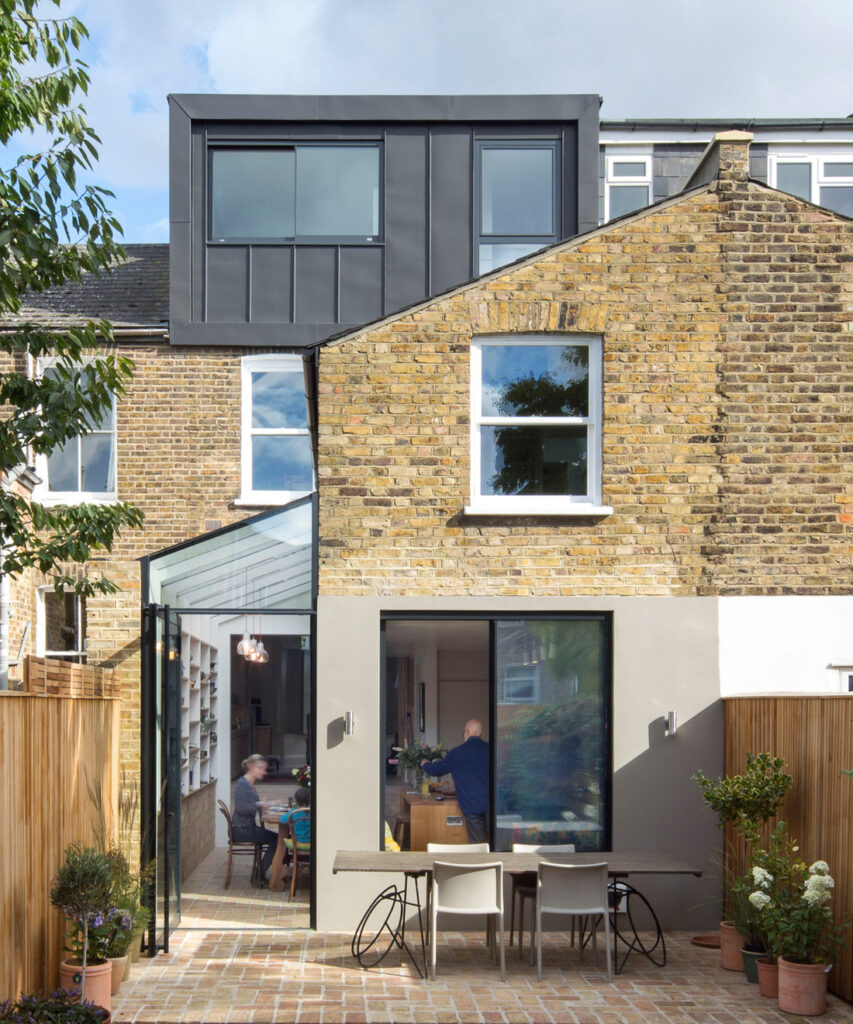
x=723 y=318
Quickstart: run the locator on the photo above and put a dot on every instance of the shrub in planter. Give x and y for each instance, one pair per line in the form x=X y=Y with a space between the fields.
x=61 y=1007
x=82 y=889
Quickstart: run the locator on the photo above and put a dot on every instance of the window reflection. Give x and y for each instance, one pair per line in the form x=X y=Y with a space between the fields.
x=551 y=752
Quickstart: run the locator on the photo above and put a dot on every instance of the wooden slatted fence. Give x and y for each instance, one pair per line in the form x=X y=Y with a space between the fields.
x=815 y=737
x=52 y=748
x=49 y=675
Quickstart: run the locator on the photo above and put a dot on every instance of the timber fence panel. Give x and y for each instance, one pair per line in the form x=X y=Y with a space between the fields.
x=52 y=748
x=815 y=737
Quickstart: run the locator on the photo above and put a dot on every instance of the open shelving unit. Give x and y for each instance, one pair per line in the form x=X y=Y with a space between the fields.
x=199 y=705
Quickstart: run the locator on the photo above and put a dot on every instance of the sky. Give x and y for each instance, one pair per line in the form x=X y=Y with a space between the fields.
x=662 y=58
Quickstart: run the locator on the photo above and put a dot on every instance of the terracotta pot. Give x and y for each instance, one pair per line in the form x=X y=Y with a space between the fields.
x=802 y=988
x=750 y=959
x=98 y=981
x=768 y=977
x=731 y=942
x=118 y=964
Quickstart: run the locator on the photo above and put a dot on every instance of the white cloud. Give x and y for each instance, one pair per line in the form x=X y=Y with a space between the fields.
x=673 y=58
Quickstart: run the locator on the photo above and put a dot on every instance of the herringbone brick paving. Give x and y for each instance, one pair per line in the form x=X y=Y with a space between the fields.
x=224 y=970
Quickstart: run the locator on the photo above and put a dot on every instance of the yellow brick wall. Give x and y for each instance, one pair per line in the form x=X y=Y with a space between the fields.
x=725 y=437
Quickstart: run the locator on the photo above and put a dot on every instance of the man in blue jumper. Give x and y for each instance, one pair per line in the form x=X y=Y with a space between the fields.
x=469 y=765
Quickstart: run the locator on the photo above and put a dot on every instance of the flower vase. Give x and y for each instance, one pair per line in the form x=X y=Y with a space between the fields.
x=802 y=988
x=750 y=959
x=731 y=942
x=424 y=784
x=98 y=980
x=768 y=977
x=118 y=964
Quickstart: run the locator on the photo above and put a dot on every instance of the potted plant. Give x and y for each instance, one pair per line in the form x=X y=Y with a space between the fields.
x=59 y=1006
x=744 y=803
x=747 y=922
x=411 y=757
x=793 y=904
x=82 y=889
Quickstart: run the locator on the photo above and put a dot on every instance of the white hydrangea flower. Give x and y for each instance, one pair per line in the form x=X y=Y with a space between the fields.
x=816 y=890
x=820 y=867
x=759 y=899
x=761 y=877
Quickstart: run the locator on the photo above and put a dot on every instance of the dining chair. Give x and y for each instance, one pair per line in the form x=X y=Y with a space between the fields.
x=239 y=847
x=577 y=889
x=524 y=888
x=457 y=847
x=468 y=889
x=300 y=853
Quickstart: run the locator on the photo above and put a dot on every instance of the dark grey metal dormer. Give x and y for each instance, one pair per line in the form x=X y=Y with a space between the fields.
x=295 y=217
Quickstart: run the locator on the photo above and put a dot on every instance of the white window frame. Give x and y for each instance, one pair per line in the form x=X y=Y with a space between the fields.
x=42 y=492
x=41 y=629
x=817 y=159
x=626 y=156
x=285 y=363
x=531 y=671
x=547 y=504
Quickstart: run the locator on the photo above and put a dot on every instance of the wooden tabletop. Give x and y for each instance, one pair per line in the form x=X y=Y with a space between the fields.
x=618 y=863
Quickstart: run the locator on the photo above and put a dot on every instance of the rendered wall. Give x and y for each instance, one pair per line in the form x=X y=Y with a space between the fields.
x=664 y=659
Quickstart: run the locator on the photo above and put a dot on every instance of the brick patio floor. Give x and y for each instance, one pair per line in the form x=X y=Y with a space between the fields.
x=241 y=955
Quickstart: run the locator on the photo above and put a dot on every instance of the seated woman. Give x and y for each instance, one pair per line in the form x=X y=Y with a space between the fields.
x=299 y=820
x=246 y=805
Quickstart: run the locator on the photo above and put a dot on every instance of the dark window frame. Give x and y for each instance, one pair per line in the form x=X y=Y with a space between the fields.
x=214 y=145
x=537 y=241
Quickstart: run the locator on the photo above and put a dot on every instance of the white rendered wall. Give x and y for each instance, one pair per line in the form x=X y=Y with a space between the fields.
x=784 y=644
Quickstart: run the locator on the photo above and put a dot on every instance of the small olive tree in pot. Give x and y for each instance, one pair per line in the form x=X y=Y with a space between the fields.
x=82 y=890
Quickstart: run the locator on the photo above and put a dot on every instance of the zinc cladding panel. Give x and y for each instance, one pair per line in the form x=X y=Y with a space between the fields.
x=315 y=284
x=227 y=284
x=451 y=212
x=406 y=211
x=272 y=284
x=361 y=284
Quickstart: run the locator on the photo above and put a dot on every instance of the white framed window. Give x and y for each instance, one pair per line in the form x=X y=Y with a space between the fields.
x=536 y=425
x=627 y=182
x=824 y=178
x=84 y=468
x=277 y=465
x=60 y=625
x=519 y=684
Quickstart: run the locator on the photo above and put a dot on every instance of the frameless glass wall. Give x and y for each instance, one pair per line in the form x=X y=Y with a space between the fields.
x=551 y=746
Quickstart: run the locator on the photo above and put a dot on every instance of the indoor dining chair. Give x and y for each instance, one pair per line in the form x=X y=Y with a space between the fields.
x=578 y=889
x=468 y=889
x=239 y=847
x=524 y=889
x=457 y=847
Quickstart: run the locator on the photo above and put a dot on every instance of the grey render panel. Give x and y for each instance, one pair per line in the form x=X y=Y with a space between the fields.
x=427 y=242
x=672 y=165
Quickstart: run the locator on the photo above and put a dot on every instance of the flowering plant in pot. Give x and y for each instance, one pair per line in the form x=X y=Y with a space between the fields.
x=82 y=889
x=303 y=774
x=411 y=755
x=793 y=903
x=58 y=1006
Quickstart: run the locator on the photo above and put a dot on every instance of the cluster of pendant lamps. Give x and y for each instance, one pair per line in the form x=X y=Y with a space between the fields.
x=253 y=650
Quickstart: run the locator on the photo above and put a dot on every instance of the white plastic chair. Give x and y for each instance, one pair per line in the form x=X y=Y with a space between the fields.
x=524 y=888
x=579 y=889
x=468 y=889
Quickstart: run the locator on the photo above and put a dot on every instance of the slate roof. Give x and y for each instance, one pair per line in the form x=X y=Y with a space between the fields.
x=135 y=294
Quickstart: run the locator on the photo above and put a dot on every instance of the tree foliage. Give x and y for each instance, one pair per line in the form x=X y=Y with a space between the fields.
x=53 y=229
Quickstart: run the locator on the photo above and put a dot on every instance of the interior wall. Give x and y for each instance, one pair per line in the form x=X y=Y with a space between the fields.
x=463 y=690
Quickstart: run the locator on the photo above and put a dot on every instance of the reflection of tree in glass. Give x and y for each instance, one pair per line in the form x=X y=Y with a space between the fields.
x=524 y=469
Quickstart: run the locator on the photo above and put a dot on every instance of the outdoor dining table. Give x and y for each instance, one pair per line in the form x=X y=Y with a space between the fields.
x=414 y=864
